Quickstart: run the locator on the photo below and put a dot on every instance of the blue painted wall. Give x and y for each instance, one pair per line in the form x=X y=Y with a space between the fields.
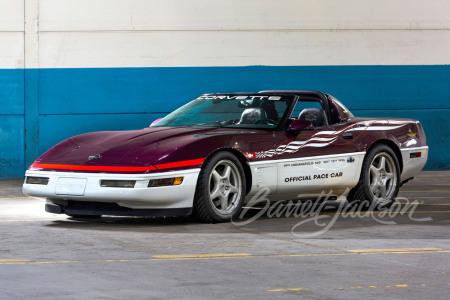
x=12 y=130
x=74 y=101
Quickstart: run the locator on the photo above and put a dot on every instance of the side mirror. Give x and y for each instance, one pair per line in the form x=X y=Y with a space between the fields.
x=298 y=125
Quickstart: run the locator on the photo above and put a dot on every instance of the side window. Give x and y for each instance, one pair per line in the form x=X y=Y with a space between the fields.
x=311 y=111
x=280 y=106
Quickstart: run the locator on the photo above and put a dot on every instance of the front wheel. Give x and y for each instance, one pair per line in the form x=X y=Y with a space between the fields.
x=220 y=189
x=379 y=181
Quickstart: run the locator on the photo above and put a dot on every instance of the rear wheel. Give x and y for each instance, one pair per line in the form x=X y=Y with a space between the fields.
x=379 y=182
x=220 y=189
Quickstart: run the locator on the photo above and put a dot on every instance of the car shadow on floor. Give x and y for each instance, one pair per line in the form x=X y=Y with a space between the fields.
x=325 y=220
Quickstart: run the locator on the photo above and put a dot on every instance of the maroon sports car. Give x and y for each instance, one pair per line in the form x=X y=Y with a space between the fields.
x=213 y=154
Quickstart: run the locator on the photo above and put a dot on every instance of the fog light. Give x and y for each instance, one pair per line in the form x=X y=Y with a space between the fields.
x=118 y=183
x=37 y=180
x=165 y=182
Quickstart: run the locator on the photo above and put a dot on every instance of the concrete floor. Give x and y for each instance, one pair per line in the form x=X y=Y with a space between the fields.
x=376 y=256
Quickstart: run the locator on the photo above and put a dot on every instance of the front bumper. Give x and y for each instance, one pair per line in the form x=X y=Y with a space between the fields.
x=139 y=197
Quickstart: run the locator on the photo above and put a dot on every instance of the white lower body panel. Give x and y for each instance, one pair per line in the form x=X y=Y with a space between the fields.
x=307 y=177
x=412 y=166
x=86 y=187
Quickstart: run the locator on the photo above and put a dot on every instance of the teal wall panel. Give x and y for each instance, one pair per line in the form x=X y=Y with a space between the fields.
x=55 y=104
x=138 y=90
x=12 y=146
x=12 y=129
x=11 y=92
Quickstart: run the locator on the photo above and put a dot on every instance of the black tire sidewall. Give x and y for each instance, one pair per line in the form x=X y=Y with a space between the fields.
x=365 y=169
x=203 y=186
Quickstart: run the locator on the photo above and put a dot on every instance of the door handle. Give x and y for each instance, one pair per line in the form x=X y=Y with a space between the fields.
x=347 y=135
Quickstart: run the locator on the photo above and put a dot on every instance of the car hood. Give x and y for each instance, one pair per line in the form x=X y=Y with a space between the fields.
x=149 y=146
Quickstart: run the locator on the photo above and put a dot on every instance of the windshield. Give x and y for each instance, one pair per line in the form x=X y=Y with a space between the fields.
x=241 y=111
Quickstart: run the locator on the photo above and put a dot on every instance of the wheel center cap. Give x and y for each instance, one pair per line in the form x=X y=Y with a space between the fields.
x=224 y=189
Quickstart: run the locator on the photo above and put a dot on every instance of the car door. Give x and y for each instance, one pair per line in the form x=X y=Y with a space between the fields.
x=325 y=158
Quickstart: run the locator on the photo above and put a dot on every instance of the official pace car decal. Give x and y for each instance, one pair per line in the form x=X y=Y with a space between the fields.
x=325 y=138
x=313 y=177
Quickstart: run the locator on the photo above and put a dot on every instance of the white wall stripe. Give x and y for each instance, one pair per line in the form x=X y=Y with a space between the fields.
x=88 y=15
x=11 y=16
x=170 y=49
x=173 y=33
x=11 y=50
x=31 y=34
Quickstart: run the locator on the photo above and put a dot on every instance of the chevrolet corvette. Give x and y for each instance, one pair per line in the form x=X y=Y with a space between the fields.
x=212 y=155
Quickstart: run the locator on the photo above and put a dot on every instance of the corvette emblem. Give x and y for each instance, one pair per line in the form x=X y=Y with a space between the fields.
x=411 y=134
x=96 y=156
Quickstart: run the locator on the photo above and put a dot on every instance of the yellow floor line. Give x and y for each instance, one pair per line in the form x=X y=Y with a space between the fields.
x=289 y=289
x=12 y=260
x=357 y=253
x=403 y=285
x=202 y=255
x=213 y=256
x=394 y=250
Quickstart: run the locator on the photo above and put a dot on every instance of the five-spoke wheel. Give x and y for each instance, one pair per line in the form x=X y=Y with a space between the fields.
x=220 y=188
x=225 y=184
x=382 y=177
x=379 y=181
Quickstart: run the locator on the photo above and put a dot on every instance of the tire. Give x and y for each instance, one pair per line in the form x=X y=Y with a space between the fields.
x=379 y=181
x=220 y=189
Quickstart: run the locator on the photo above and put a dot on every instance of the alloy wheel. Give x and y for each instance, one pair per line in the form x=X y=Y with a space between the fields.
x=225 y=186
x=382 y=176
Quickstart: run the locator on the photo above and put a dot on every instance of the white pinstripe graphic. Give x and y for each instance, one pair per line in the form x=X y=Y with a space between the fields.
x=324 y=138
